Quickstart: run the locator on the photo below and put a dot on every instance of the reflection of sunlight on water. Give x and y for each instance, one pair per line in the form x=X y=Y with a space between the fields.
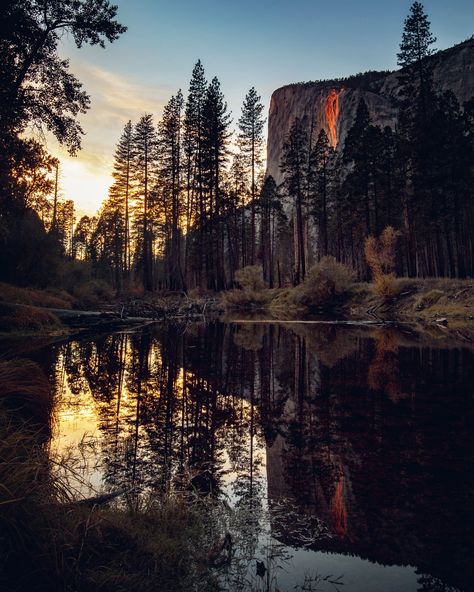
x=87 y=430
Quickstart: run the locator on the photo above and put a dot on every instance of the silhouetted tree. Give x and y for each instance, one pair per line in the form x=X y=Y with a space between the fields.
x=294 y=167
x=319 y=188
x=145 y=156
x=170 y=182
x=251 y=125
x=121 y=190
x=216 y=121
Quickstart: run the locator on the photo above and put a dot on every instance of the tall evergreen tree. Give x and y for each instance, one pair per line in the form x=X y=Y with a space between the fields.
x=170 y=181
x=414 y=49
x=417 y=105
x=193 y=150
x=216 y=122
x=121 y=190
x=271 y=215
x=294 y=167
x=319 y=187
x=251 y=124
x=145 y=155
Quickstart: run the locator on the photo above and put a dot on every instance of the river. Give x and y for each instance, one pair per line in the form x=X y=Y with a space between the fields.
x=341 y=456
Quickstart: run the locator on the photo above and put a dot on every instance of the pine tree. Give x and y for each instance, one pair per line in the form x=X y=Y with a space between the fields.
x=319 y=187
x=271 y=214
x=169 y=138
x=193 y=150
x=294 y=168
x=108 y=238
x=415 y=45
x=120 y=191
x=239 y=190
x=216 y=121
x=417 y=105
x=251 y=125
x=83 y=246
x=145 y=156
x=357 y=152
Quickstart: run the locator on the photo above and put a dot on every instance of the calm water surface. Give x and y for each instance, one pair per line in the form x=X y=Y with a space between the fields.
x=342 y=457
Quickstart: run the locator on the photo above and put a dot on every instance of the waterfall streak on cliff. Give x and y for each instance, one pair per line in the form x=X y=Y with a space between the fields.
x=332 y=114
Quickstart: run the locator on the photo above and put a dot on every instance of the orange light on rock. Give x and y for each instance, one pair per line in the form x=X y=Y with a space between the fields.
x=332 y=114
x=339 y=510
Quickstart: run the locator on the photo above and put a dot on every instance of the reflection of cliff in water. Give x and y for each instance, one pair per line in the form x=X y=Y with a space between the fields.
x=368 y=433
x=371 y=433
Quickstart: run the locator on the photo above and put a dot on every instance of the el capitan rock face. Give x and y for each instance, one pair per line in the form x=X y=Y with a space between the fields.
x=332 y=105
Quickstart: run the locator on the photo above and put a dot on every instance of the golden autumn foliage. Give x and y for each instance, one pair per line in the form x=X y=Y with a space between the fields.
x=380 y=256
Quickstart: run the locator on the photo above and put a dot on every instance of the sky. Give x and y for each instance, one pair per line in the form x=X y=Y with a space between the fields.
x=261 y=43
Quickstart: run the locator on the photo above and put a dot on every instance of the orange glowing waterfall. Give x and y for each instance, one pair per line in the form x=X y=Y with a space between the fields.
x=332 y=114
x=339 y=510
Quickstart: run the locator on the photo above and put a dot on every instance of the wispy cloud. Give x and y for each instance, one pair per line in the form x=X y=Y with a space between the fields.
x=115 y=99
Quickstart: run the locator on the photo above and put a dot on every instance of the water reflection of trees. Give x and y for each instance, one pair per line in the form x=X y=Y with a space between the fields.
x=364 y=434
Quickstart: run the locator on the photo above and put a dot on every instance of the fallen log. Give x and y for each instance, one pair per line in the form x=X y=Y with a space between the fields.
x=104 y=498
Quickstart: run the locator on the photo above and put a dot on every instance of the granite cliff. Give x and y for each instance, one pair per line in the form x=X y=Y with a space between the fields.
x=332 y=105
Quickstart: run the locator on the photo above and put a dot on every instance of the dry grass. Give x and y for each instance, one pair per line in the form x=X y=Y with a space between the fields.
x=27 y=319
x=47 y=542
x=35 y=297
x=26 y=392
x=424 y=299
x=444 y=297
x=246 y=299
x=428 y=299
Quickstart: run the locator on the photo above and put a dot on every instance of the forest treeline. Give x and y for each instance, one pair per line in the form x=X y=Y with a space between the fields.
x=184 y=210
x=190 y=204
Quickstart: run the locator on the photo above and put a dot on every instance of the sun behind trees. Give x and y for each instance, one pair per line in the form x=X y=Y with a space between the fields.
x=38 y=92
x=178 y=216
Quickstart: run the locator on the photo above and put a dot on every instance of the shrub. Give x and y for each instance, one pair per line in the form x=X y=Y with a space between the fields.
x=324 y=284
x=92 y=292
x=253 y=293
x=250 y=278
x=428 y=299
x=245 y=298
x=284 y=305
x=380 y=257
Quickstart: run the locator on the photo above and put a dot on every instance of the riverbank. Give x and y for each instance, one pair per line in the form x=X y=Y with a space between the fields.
x=443 y=301
x=414 y=300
